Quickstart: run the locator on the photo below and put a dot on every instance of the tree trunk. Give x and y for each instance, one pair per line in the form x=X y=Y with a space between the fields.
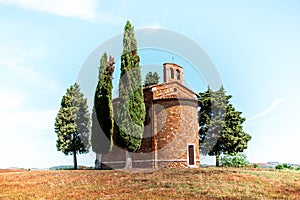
x=98 y=161
x=128 y=160
x=75 y=160
x=218 y=159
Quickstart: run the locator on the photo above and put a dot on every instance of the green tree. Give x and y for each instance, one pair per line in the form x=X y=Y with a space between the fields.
x=72 y=124
x=220 y=125
x=131 y=108
x=102 y=116
x=151 y=79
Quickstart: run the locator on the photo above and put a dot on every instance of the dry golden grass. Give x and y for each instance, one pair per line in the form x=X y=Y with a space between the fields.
x=207 y=183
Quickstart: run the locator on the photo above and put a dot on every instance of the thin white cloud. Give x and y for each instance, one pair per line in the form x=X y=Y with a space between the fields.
x=110 y=18
x=28 y=121
x=16 y=118
x=9 y=99
x=81 y=9
x=155 y=25
x=268 y=110
x=17 y=68
x=16 y=64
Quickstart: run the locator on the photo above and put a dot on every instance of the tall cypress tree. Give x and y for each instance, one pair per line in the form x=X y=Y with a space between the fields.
x=102 y=116
x=220 y=124
x=72 y=124
x=131 y=108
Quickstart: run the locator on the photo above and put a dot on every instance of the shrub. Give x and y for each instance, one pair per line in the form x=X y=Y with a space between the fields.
x=284 y=166
x=255 y=165
x=238 y=160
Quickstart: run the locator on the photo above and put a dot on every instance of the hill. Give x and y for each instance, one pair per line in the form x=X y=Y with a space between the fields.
x=205 y=183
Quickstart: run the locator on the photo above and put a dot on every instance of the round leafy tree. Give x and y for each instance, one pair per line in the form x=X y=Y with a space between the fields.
x=72 y=124
x=221 y=129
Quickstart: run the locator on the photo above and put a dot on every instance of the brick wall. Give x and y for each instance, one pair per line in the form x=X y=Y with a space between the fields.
x=175 y=70
x=179 y=129
x=170 y=124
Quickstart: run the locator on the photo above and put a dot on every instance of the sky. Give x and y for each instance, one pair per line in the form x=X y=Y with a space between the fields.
x=254 y=46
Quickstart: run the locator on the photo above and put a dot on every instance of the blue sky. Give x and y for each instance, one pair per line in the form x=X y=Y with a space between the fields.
x=254 y=45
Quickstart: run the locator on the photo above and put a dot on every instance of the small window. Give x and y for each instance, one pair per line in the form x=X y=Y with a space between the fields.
x=177 y=74
x=171 y=73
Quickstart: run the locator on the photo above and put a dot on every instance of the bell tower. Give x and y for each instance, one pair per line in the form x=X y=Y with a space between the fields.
x=173 y=72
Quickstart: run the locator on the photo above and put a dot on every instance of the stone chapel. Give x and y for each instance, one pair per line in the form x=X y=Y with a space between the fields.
x=171 y=126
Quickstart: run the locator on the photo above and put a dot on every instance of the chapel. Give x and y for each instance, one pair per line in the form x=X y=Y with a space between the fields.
x=170 y=136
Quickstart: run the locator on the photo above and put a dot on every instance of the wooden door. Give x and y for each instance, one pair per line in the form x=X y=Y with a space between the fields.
x=191 y=154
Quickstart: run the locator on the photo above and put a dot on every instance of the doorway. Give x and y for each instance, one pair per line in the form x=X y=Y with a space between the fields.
x=191 y=155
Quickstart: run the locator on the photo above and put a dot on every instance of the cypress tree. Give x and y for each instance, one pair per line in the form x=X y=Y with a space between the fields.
x=72 y=124
x=102 y=116
x=151 y=79
x=131 y=108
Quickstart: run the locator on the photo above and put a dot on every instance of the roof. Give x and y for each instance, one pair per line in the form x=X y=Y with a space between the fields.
x=173 y=64
x=169 y=90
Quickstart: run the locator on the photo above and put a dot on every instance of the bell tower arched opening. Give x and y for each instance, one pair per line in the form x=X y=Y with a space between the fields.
x=173 y=72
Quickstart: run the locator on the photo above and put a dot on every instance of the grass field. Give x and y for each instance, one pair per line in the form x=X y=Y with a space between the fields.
x=205 y=183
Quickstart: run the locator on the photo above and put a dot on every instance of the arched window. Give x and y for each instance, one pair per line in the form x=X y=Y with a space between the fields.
x=171 y=73
x=177 y=74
